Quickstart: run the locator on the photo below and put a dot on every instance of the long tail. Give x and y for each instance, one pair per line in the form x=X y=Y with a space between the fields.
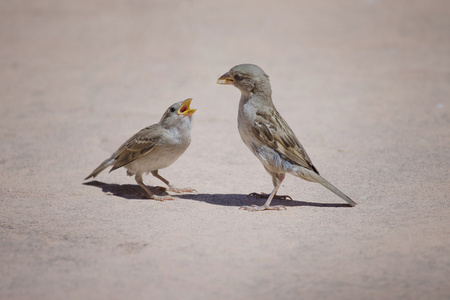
x=108 y=162
x=313 y=176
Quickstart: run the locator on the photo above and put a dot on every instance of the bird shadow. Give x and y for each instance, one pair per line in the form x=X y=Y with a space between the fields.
x=135 y=192
x=127 y=191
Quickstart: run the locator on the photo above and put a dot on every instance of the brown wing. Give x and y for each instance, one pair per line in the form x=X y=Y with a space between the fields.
x=272 y=128
x=138 y=145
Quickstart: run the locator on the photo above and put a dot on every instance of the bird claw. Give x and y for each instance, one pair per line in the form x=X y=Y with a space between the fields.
x=261 y=208
x=162 y=198
x=264 y=195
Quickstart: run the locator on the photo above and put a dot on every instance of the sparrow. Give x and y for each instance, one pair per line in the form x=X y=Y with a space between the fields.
x=155 y=147
x=267 y=134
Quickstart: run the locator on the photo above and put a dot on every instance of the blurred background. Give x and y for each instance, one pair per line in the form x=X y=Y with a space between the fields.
x=363 y=83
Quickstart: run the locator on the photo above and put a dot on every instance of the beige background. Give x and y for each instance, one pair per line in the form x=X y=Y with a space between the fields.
x=364 y=84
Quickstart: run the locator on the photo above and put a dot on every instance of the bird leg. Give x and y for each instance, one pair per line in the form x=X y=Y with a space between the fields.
x=171 y=187
x=277 y=179
x=139 y=181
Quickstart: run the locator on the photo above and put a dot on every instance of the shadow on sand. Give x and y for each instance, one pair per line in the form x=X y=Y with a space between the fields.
x=135 y=192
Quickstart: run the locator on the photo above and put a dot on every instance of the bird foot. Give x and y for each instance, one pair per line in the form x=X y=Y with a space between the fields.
x=162 y=198
x=261 y=208
x=264 y=195
x=181 y=190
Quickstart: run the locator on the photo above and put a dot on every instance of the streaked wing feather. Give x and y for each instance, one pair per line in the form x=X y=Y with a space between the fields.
x=138 y=145
x=272 y=128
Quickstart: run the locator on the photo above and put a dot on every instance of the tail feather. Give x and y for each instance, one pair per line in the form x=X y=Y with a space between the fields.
x=108 y=162
x=313 y=176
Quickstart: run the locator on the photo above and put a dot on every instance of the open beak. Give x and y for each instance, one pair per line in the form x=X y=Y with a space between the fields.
x=185 y=110
x=225 y=79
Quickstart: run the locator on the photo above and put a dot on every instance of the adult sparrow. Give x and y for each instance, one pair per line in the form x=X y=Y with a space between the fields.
x=268 y=135
x=155 y=147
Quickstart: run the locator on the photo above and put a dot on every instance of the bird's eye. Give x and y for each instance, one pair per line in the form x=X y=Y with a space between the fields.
x=172 y=109
x=237 y=78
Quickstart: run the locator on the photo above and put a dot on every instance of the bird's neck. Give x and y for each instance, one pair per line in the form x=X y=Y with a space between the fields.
x=261 y=96
x=182 y=125
x=250 y=105
x=260 y=89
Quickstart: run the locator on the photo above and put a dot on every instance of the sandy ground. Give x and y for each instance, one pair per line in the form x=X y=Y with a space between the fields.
x=364 y=84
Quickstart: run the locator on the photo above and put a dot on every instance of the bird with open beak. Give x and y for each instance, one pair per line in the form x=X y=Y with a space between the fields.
x=155 y=147
x=268 y=135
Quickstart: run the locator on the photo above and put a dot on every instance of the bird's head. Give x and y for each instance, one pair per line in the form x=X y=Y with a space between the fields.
x=248 y=78
x=177 y=112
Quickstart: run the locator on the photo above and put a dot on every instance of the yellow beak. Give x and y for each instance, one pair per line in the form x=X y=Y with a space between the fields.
x=225 y=79
x=185 y=110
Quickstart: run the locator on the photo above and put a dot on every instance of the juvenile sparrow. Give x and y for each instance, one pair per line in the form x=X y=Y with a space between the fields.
x=268 y=135
x=155 y=147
